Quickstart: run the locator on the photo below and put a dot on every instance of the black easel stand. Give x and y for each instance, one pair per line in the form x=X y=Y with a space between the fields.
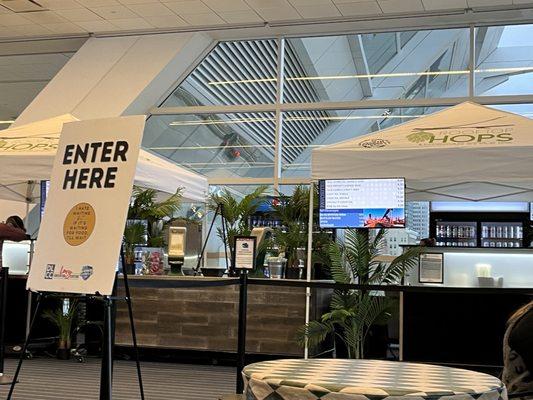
x=132 y=324
x=4 y=277
x=219 y=211
x=241 y=344
x=25 y=347
x=106 y=372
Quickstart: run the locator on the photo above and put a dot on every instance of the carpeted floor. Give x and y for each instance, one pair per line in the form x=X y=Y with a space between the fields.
x=50 y=379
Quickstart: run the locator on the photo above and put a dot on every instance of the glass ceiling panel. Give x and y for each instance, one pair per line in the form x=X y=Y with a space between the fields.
x=222 y=145
x=504 y=60
x=378 y=66
x=251 y=64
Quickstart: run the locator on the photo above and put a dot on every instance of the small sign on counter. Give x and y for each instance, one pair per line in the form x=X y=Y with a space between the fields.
x=244 y=252
x=431 y=268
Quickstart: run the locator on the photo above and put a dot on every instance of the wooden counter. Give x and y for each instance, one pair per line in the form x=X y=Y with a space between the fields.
x=206 y=318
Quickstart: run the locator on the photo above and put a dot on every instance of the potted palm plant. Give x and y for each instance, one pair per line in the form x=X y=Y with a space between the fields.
x=353 y=312
x=145 y=226
x=134 y=235
x=291 y=235
x=290 y=238
x=146 y=207
x=236 y=212
x=63 y=318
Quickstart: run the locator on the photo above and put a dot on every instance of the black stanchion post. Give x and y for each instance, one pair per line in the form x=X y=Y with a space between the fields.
x=132 y=324
x=4 y=275
x=241 y=344
x=225 y=240
x=25 y=347
x=106 y=372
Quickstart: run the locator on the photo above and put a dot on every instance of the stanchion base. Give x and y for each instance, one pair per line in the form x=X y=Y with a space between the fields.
x=6 y=380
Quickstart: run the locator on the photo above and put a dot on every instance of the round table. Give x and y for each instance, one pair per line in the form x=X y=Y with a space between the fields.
x=338 y=379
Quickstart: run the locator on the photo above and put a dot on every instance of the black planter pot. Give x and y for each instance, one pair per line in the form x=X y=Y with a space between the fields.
x=175 y=269
x=292 y=273
x=63 y=354
x=130 y=269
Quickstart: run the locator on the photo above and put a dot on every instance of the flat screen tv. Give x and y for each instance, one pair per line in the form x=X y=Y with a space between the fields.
x=362 y=203
x=45 y=187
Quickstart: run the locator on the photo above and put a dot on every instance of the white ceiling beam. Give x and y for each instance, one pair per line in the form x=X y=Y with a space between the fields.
x=361 y=63
x=342 y=105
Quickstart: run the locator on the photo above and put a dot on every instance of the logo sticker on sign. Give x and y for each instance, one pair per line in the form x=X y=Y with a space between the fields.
x=49 y=273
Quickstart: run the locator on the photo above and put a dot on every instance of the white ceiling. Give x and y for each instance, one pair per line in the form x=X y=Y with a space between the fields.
x=26 y=68
x=94 y=16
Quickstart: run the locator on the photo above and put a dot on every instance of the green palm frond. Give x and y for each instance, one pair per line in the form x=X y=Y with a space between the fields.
x=396 y=270
x=345 y=299
x=337 y=267
x=372 y=308
x=167 y=207
x=134 y=234
x=63 y=321
x=250 y=203
x=145 y=204
x=229 y=205
x=234 y=211
x=357 y=253
x=314 y=333
x=294 y=208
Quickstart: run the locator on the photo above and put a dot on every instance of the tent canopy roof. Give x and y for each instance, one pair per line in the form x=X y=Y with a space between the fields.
x=27 y=154
x=467 y=152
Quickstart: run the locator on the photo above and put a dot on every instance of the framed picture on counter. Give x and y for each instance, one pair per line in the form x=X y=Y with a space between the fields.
x=244 y=252
x=431 y=268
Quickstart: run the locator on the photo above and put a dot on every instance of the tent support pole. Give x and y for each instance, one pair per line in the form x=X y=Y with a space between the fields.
x=309 y=262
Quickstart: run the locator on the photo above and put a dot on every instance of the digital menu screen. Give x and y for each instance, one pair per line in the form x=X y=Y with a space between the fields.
x=362 y=203
x=45 y=187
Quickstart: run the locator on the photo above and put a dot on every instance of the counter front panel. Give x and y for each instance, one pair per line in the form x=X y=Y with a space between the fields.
x=207 y=319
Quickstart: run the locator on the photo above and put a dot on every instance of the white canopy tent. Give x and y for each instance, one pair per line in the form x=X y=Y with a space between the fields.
x=468 y=152
x=464 y=153
x=27 y=154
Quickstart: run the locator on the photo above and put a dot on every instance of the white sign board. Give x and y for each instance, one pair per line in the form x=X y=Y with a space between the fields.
x=244 y=252
x=85 y=214
x=431 y=268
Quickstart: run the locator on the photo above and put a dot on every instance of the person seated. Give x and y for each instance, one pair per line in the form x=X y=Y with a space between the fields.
x=518 y=352
x=13 y=229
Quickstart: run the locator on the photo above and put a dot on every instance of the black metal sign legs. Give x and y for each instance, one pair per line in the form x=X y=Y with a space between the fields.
x=25 y=347
x=106 y=372
x=132 y=325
